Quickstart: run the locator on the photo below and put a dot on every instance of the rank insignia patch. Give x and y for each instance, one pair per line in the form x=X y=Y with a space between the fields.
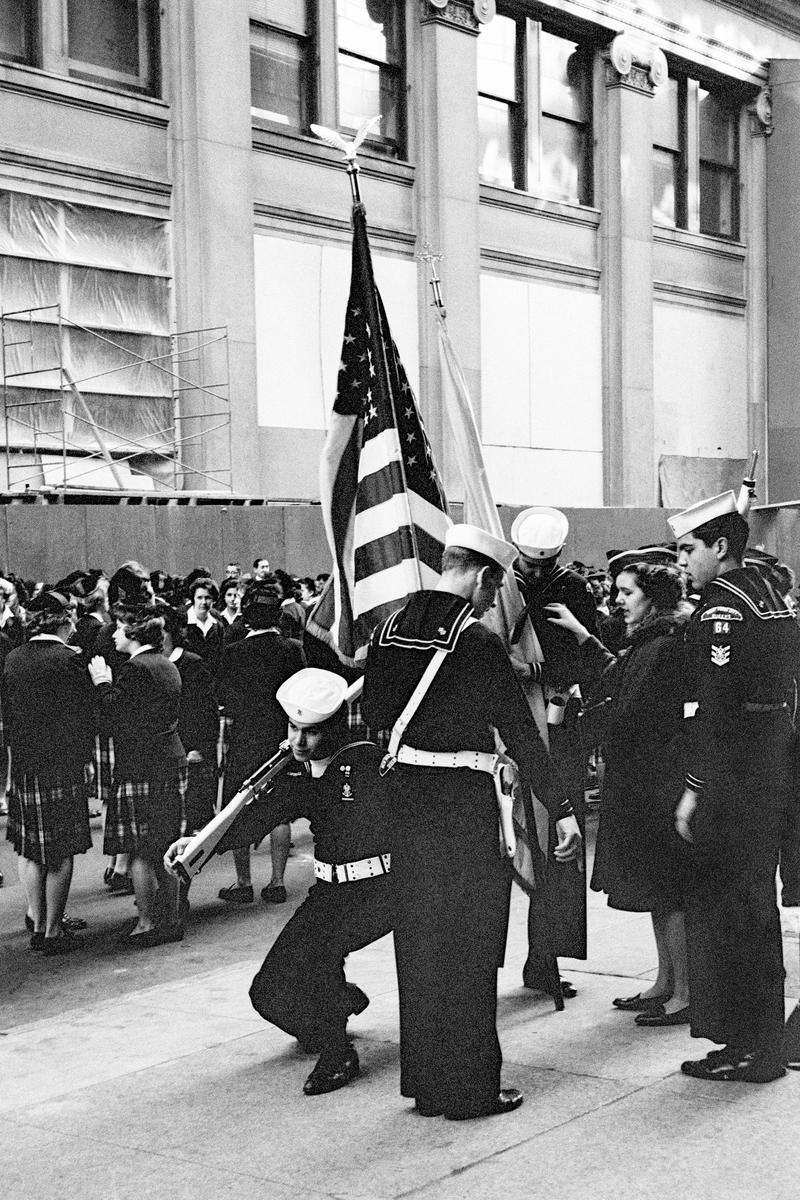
x=347 y=791
x=720 y=655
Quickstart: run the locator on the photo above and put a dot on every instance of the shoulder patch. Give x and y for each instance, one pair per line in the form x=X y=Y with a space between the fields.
x=721 y=612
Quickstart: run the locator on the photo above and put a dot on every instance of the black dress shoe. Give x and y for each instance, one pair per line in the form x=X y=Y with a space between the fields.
x=274 y=895
x=71 y=924
x=508 y=1099
x=151 y=937
x=734 y=1068
x=65 y=943
x=657 y=1018
x=638 y=1003
x=333 y=1071
x=240 y=893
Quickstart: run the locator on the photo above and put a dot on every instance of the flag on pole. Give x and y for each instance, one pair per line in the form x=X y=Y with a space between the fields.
x=383 y=504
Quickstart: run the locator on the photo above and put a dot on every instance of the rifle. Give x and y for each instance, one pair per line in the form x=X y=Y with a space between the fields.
x=205 y=842
x=747 y=492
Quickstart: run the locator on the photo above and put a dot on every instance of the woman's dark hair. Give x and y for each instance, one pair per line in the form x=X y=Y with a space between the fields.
x=226 y=586
x=174 y=622
x=203 y=581
x=45 y=622
x=144 y=625
x=665 y=586
x=261 y=603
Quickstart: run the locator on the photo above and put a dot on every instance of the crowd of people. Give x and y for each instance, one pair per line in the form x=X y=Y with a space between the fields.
x=670 y=676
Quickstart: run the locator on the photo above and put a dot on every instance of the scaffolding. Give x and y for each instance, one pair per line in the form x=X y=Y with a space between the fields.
x=55 y=439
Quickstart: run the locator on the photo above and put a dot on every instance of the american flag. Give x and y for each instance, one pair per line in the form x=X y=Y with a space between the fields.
x=382 y=500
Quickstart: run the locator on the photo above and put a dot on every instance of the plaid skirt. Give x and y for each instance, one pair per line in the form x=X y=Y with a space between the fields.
x=48 y=820
x=145 y=815
x=103 y=759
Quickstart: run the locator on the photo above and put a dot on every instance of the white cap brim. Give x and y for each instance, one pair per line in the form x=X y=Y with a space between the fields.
x=311 y=696
x=698 y=514
x=472 y=537
x=540 y=532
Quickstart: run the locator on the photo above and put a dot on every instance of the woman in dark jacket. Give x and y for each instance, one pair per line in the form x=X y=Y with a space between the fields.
x=640 y=862
x=198 y=721
x=145 y=810
x=48 y=707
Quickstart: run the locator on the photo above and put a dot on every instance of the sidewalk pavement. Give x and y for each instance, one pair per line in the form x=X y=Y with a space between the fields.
x=163 y=1082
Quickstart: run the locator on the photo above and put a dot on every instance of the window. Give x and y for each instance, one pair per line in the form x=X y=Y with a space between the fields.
x=114 y=41
x=534 y=109
x=17 y=30
x=281 y=65
x=370 y=54
x=695 y=158
x=718 y=165
x=668 y=159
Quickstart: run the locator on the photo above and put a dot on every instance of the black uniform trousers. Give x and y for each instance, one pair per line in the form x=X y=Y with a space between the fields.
x=733 y=930
x=301 y=985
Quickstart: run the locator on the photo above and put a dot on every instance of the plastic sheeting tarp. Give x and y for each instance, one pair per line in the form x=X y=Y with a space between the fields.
x=35 y=227
x=107 y=272
x=43 y=418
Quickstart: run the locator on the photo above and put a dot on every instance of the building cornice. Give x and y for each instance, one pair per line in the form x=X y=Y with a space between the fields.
x=675 y=38
x=460 y=14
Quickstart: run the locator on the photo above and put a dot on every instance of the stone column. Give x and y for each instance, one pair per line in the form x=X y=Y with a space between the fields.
x=447 y=199
x=633 y=71
x=783 y=274
x=208 y=86
x=758 y=124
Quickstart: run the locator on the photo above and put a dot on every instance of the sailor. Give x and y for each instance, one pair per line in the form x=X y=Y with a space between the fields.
x=443 y=684
x=743 y=647
x=301 y=985
x=539 y=534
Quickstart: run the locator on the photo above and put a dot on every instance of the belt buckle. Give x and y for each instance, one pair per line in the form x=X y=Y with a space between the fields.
x=387 y=763
x=337 y=877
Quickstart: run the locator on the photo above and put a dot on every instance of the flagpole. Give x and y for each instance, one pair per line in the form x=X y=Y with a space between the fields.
x=349 y=148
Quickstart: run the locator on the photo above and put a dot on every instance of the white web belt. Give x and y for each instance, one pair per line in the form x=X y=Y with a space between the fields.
x=352 y=872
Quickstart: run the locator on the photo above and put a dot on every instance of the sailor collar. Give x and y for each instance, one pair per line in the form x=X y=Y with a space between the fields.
x=430 y=621
x=749 y=588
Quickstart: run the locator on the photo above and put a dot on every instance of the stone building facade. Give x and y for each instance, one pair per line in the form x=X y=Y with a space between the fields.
x=612 y=185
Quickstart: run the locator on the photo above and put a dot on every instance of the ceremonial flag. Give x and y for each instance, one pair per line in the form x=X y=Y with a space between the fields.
x=383 y=505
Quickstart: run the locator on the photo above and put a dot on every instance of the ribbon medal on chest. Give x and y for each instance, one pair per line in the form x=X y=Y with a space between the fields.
x=347 y=791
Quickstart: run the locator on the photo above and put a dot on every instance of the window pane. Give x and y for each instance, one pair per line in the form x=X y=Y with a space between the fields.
x=278 y=77
x=365 y=90
x=497 y=46
x=106 y=35
x=717 y=130
x=291 y=15
x=562 y=171
x=495 y=123
x=717 y=201
x=14 y=30
x=370 y=28
x=564 y=78
x=665 y=187
x=666 y=120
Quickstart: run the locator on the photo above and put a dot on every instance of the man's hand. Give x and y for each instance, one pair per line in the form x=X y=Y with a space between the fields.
x=569 y=839
x=520 y=668
x=194 y=756
x=684 y=813
x=174 y=851
x=99 y=670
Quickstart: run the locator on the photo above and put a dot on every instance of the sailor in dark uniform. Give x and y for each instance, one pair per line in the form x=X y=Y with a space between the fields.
x=743 y=647
x=301 y=986
x=539 y=535
x=451 y=882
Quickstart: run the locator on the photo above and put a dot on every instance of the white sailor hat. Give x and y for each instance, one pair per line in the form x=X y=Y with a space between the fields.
x=699 y=514
x=540 y=532
x=311 y=696
x=471 y=537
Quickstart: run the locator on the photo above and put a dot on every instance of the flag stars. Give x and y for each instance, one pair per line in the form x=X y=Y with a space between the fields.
x=412 y=462
x=372 y=412
x=343 y=367
x=409 y=413
x=411 y=437
x=349 y=339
